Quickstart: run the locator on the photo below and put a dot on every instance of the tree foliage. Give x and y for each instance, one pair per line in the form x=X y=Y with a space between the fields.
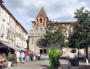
x=81 y=36
x=54 y=36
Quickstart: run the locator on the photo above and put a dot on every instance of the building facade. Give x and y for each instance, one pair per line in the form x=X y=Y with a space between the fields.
x=11 y=31
x=38 y=31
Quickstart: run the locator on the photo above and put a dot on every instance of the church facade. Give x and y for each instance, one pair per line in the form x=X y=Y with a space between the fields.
x=38 y=31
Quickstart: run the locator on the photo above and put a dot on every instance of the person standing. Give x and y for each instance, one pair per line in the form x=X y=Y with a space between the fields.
x=0 y=62
x=31 y=56
x=22 y=56
x=18 y=56
x=27 y=55
x=15 y=59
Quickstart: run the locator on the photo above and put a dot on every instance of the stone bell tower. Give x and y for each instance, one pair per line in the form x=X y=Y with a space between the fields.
x=38 y=31
x=41 y=19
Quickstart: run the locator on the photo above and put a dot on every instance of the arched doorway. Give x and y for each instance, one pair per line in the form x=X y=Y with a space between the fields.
x=43 y=51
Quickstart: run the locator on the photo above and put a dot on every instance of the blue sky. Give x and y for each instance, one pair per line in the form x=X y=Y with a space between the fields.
x=25 y=11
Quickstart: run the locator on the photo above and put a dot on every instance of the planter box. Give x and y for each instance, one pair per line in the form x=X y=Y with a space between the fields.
x=9 y=64
x=74 y=62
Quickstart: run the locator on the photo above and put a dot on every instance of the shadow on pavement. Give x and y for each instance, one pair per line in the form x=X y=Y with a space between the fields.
x=84 y=67
x=63 y=66
x=45 y=66
x=66 y=66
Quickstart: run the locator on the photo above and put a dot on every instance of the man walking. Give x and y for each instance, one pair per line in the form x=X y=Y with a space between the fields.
x=22 y=55
x=18 y=56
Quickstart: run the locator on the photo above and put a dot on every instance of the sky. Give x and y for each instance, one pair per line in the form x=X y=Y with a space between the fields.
x=25 y=11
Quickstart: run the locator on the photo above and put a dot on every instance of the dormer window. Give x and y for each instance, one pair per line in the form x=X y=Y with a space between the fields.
x=40 y=20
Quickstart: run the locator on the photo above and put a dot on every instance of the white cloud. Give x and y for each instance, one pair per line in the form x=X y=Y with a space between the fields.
x=83 y=3
x=26 y=10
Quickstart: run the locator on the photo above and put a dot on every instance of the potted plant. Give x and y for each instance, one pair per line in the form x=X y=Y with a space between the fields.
x=9 y=57
x=34 y=58
x=73 y=58
x=54 y=59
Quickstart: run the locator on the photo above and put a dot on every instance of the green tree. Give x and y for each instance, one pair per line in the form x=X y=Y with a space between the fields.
x=54 y=39
x=81 y=36
x=54 y=36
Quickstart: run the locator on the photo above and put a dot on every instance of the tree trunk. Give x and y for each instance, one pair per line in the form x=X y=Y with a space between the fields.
x=87 y=56
x=78 y=53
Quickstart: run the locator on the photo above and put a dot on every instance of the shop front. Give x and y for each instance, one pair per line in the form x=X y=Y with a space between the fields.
x=6 y=47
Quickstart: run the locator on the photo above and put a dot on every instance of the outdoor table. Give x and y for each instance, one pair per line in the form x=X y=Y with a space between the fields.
x=3 y=63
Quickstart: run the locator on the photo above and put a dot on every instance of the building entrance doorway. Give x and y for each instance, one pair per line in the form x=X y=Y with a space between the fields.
x=43 y=51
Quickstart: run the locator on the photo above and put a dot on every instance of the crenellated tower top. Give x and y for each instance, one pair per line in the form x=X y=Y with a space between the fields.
x=41 y=19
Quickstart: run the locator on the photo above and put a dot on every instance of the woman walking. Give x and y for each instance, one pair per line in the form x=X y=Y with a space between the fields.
x=22 y=55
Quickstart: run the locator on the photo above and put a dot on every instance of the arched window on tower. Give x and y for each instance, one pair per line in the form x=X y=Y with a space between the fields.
x=40 y=20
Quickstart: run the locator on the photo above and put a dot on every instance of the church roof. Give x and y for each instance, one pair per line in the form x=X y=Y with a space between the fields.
x=42 y=13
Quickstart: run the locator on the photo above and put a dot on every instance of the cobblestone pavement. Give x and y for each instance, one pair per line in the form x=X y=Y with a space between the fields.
x=31 y=65
x=41 y=64
x=44 y=63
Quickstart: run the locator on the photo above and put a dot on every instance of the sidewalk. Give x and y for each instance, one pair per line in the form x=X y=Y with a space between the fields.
x=65 y=66
x=44 y=64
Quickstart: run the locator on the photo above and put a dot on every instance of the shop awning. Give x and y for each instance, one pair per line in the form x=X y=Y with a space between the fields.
x=7 y=44
x=23 y=49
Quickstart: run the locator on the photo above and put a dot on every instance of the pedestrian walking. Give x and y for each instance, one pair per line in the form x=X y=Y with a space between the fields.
x=22 y=56
x=0 y=62
x=31 y=56
x=27 y=56
x=18 y=56
x=30 y=53
x=15 y=59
